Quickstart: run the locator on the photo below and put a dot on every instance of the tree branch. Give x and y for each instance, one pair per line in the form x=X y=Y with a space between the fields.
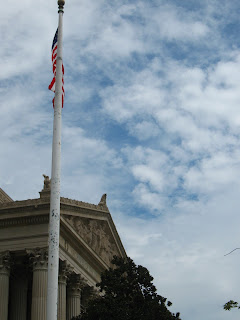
x=231 y=251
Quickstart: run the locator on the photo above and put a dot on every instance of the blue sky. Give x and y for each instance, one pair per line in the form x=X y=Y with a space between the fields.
x=151 y=117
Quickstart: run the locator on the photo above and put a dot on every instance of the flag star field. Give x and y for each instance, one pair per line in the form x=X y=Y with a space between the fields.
x=151 y=117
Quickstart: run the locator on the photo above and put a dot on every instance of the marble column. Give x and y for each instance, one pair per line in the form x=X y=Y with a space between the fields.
x=18 y=294
x=39 y=286
x=64 y=272
x=4 y=284
x=74 y=296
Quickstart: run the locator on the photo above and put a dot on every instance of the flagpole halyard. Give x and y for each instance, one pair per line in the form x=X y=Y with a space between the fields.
x=54 y=216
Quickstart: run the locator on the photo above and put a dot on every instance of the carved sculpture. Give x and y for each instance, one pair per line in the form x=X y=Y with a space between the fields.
x=103 y=200
x=76 y=282
x=38 y=257
x=96 y=235
x=65 y=270
x=5 y=261
x=47 y=183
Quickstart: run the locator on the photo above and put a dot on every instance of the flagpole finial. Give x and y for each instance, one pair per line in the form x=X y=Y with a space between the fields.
x=61 y=4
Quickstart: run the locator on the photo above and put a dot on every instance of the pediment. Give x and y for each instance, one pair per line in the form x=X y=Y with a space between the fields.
x=4 y=197
x=97 y=235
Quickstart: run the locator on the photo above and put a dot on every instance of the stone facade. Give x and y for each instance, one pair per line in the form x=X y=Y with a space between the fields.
x=88 y=241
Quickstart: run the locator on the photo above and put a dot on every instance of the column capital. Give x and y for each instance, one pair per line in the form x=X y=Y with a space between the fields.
x=65 y=271
x=90 y=292
x=39 y=258
x=5 y=262
x=76 y=283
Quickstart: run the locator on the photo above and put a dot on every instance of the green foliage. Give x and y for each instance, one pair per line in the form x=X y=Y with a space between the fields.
x=230 y=305
x=127 y=294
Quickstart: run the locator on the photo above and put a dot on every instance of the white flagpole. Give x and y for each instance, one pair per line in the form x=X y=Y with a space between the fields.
x=54 y=217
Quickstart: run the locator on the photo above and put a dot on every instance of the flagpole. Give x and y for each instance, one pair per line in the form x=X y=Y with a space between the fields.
x=54 y=216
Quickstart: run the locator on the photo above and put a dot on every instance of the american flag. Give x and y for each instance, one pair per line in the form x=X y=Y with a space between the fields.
x=54 y=63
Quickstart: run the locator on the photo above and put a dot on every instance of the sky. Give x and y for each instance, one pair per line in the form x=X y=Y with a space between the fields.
x=151 y=117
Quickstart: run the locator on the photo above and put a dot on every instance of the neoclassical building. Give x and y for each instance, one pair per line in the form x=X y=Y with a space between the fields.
x=88 y=241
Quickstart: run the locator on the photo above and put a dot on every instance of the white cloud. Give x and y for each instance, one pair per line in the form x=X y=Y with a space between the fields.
x=144 y=130
x=178 y=25
x=147 y=198
x=214 y=174
x=145 y=174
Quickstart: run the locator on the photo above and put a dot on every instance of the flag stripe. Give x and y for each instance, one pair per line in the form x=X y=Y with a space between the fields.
x=54 y=63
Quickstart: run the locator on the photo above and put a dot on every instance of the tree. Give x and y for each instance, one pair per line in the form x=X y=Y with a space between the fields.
x=127 y=293
x=230 y=305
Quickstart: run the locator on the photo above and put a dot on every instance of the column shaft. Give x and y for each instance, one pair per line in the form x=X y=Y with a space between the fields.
x=64 y=271
x=4 y=293
x=4 y=285
x=39 y=286
x=73 y=305
x=74 y=295
x=62 y=299
x=39 y=295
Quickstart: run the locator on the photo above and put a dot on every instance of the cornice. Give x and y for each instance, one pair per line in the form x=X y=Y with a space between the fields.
x=81 y=204
x=23 y=203
x=64 y=201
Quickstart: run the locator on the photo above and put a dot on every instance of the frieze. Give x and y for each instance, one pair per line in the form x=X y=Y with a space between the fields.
x=96 y=234
x=24 y=220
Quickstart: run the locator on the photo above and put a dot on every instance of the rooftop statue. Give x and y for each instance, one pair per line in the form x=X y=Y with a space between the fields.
x=47 y=183
x=103 y=201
